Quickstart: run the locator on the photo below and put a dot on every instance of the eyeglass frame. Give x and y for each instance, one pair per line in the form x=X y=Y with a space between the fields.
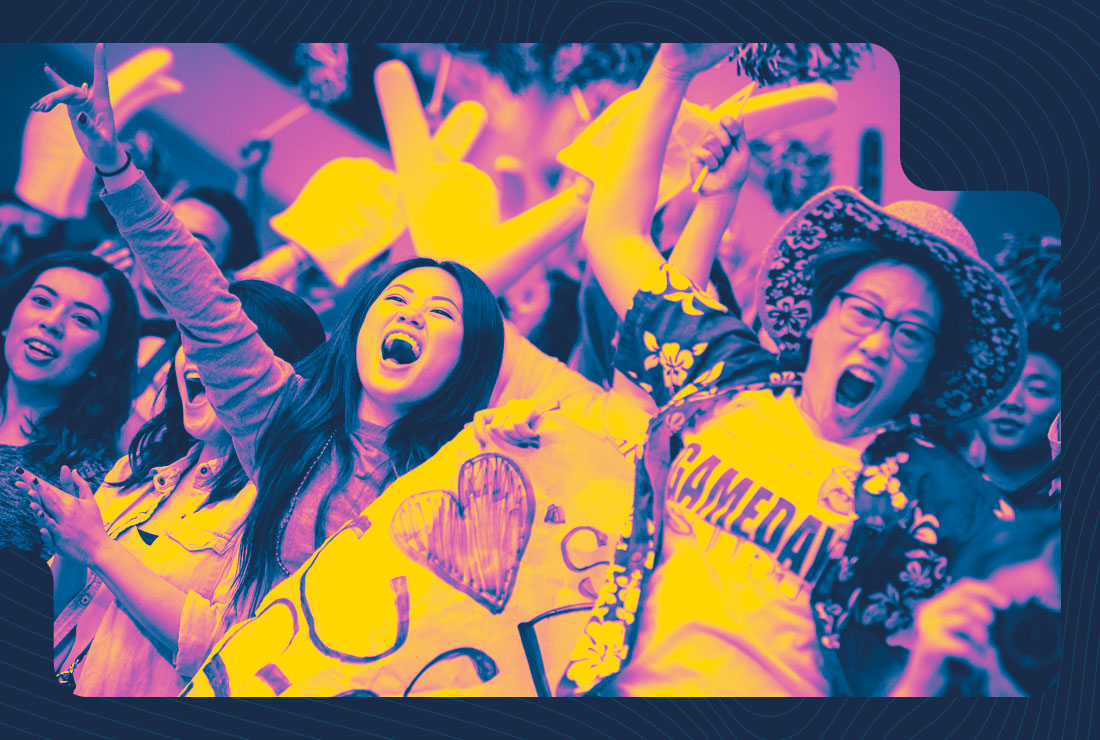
x=895 y=324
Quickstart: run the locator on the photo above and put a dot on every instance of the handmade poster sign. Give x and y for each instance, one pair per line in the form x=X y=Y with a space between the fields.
x=470 y=576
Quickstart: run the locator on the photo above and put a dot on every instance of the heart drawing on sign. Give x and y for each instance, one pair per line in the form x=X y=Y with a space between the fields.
x=474 y=540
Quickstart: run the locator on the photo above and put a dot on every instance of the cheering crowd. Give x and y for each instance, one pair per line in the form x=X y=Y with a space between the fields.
x=849 y=487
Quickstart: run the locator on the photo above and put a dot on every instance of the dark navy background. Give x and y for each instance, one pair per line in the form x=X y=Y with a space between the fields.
x=993 y=97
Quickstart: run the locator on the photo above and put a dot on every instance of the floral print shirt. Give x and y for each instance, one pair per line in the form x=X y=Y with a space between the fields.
x=913 y=504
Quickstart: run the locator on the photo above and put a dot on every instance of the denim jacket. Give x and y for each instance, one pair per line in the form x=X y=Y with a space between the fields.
x=196 y=554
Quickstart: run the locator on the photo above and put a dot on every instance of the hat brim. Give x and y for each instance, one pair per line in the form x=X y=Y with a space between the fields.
x=993 y=348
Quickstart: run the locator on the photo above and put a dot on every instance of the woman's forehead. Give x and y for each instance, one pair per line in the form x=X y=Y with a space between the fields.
x=899 y=287
x=75 y=286
x=429 y=282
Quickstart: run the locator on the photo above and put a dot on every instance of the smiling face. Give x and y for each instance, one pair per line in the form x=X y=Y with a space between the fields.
x=58 y=329
x=1021 y=422
x=410 y=340
x=199 y=418
x=855 y=380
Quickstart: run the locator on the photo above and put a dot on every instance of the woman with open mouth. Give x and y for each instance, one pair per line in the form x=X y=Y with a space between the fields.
x=417 y=354
x=786 y=523
x=70 y=334
x=70 y=331
x=161 y=534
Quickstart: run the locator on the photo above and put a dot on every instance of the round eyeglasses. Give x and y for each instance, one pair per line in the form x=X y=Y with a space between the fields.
x=911 y=340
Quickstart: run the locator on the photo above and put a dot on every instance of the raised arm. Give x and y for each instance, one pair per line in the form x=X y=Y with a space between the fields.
x=725 y=154
x=625 y=194
x=241 y=374
x=510 y=249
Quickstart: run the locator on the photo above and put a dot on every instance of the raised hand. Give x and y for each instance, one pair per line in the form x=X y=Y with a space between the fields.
x=725 y=154
x=513 y=423
x=687 y=60
x=90 y=113
x=954 y=625
x=117 y=253
x=70 y=519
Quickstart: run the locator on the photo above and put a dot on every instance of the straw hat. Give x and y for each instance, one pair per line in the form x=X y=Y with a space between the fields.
x=986 y=364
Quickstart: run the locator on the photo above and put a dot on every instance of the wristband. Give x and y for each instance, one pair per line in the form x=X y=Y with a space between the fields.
x=119 y=171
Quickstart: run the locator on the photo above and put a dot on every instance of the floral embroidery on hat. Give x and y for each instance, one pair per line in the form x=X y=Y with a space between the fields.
x=790 y=316
x=992 y=329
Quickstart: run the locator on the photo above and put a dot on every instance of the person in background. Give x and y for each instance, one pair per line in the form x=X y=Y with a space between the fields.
x=26 y=233
x=218 y=220
x=162 y=531
x=1015 y=433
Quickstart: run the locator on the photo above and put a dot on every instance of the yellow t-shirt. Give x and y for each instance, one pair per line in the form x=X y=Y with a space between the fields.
x=747 y=532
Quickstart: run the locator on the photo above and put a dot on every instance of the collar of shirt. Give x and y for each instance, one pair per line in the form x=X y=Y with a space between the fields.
x=135 y=505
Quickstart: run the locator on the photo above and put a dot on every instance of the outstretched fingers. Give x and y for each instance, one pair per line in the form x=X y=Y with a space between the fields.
x=100 y=84
x=67 y=95
x=57 y=80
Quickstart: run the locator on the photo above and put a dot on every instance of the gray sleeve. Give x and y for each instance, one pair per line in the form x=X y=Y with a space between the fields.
x=242 y=375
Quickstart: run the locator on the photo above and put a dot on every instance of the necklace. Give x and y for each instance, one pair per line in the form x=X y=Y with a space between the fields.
x=293 y=503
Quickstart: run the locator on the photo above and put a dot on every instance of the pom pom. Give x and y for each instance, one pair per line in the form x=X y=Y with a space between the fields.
x=324 y=72
x=578 y=65
x=793 y=171
x=519 y=64
x=773 y=64
x=561 y=67
x=1031 y=265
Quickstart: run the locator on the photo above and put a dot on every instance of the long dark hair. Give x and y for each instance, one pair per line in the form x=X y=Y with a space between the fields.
x=90 y=414
x=287 y=325
x=325 y=404
x=837 y=267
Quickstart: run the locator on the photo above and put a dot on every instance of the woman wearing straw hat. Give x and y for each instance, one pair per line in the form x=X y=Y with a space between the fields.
x=785 y=524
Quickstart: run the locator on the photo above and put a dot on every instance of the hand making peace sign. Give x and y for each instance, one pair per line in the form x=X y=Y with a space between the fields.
x=90 y=113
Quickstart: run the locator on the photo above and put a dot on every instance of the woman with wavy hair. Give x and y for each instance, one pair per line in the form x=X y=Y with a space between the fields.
x=70 y=341
x=162 y=532
x=415 y=357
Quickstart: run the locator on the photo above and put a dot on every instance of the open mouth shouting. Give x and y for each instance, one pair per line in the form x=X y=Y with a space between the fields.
x=400 y=348
x=40 y=351
x=855 y=385
x=193 y=387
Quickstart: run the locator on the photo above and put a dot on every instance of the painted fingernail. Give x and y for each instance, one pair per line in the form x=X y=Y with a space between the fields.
x=36 y=481
x=19 y=470
x=83 y=118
